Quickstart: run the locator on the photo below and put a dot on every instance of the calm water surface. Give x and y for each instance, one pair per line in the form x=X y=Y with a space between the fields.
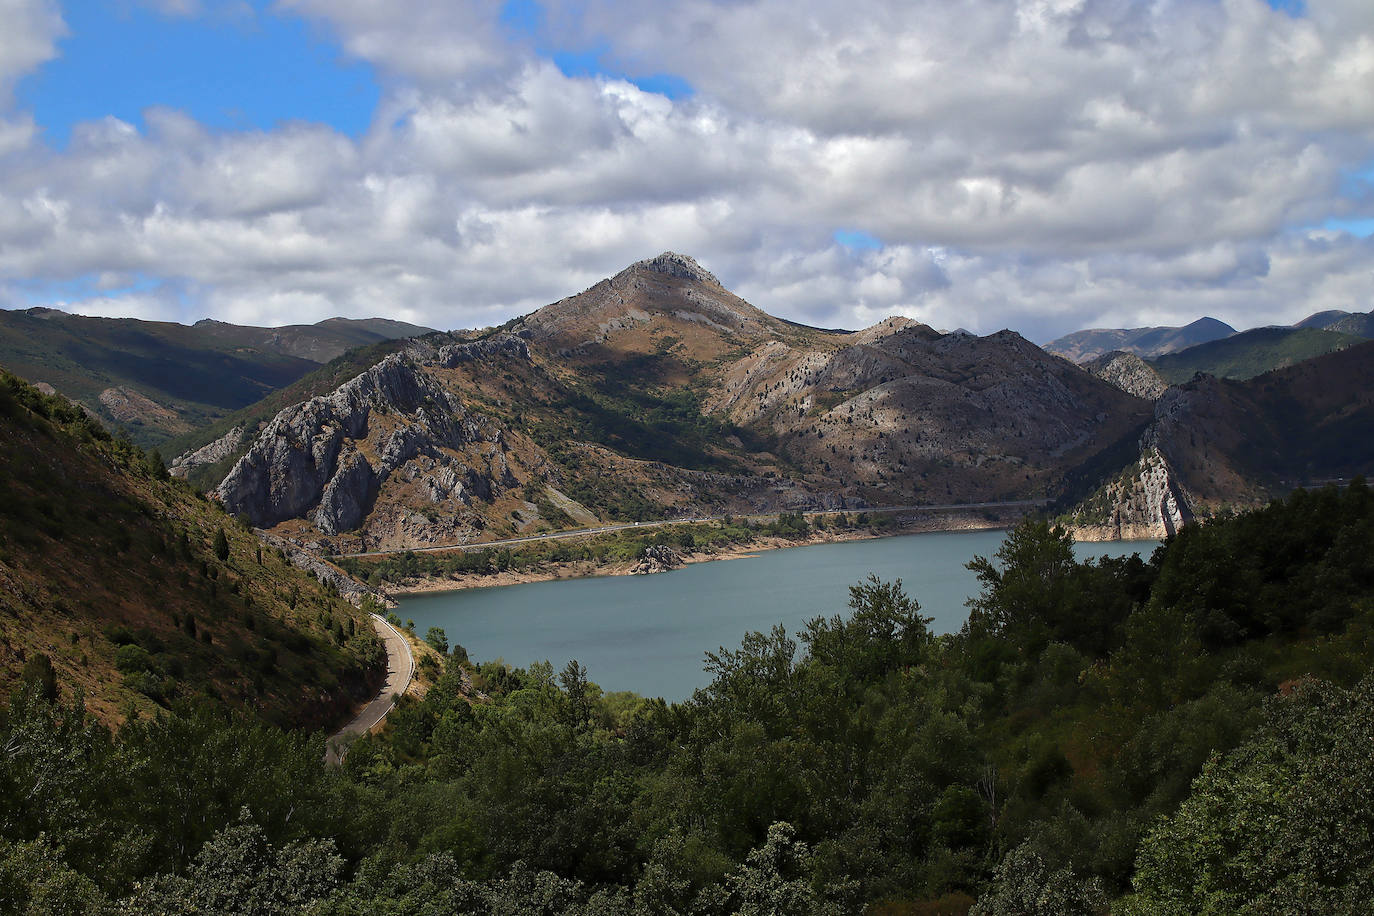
x=649 y=633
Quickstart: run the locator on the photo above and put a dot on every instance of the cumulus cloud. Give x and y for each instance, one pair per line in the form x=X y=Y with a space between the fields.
x=1042 y=165
x=32 y=28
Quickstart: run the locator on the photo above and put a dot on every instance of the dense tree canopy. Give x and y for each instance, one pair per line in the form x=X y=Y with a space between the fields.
x=1183 y=734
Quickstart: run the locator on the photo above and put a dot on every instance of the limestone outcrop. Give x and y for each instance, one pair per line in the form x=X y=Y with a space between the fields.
x=326 y=459
x=1128 y=372
x=1144 y=504
x=218 y=450
x=657 y=558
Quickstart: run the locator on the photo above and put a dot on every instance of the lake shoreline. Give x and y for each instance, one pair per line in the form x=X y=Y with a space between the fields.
x=586 y=569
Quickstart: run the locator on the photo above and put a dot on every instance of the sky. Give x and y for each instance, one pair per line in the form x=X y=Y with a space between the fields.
x=1040 y=165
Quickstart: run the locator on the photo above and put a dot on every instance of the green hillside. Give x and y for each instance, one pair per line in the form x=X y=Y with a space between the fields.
x=147 y=596
x=160 y=380
x=1250 y=353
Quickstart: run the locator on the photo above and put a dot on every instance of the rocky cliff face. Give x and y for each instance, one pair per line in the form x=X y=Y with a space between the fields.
x=327 y=459
x=1144 y=503
x=218 y=450
x=1128 y=372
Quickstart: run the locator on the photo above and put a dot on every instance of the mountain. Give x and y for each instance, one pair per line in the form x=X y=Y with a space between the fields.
x=1322 y=320
x=203 y=453
x=1250 y=353
x=158 y=379
x=1082 y=346
x=1128 y=372
x=1361 y=324
x=1217 y=443
x=655 y=393
x=111 y=571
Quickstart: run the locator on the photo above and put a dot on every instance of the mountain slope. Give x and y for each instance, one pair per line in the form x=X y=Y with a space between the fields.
x=1221 y=443
x=158 y=379
x=1250 y=353
x=1241 y=441
x=1082 y=346
x=1128 y=372
x=112 y=572
x=1361 y=324
x=657 y=392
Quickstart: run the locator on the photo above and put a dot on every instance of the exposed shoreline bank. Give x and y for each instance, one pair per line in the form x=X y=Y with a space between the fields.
x=550 y=571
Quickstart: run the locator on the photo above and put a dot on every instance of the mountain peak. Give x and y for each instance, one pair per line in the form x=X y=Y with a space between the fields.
x=1210 y=325
x=681 y=266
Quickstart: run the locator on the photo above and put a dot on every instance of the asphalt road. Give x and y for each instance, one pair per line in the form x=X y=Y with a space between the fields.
x=604 y=529
x=400 y=668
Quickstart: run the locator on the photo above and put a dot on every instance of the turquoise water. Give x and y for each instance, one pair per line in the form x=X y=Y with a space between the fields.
x=649 y=633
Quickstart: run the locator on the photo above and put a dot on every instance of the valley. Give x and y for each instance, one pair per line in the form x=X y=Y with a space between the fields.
x=1027 y=688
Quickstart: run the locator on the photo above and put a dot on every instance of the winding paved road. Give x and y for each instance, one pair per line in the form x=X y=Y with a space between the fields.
x=400 y=668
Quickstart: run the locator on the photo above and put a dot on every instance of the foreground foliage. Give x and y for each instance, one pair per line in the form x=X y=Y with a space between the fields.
x=1183 y=734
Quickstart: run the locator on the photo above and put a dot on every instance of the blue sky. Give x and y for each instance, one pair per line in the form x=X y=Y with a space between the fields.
x=965 y=163
x=232 y=69
x=241 y=65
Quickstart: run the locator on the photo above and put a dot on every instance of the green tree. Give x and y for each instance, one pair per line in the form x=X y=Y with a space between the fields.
x=239 y=873
x=1024 y=886
x=221 y=544
x=774 y=880
x=36 y=880
x=1024 y=593
x=1282 y=824
x=437 y=639
x=38 y=670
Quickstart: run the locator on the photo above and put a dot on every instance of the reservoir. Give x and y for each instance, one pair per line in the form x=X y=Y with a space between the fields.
x=649 y=633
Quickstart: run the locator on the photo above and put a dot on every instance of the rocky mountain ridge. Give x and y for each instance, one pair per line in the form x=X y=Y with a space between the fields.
x=1215 y=444
x=1128 y=372
x=1082 y=346
x=658 y=393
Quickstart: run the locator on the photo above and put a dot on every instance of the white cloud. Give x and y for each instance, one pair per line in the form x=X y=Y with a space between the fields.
x=1044 y=165
x=29 y=37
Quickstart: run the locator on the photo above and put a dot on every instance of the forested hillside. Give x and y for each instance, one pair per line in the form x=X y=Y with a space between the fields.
x=145 y=595
x=159 y=380
x=1179 y=734
x=1251 y=353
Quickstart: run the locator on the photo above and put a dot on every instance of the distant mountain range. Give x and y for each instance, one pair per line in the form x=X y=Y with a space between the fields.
x=1082 y=346
x=1251 y=353
x=1129 y=357
x=1159 y=344
x=158 y=379
x=657 y=393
